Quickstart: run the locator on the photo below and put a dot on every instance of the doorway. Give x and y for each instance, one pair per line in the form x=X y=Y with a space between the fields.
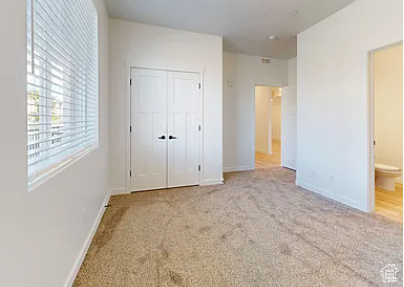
x=387 y=125
x=267 y=126
x=164 y=129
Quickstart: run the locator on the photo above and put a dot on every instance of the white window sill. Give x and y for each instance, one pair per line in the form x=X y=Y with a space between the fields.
x=51 y=171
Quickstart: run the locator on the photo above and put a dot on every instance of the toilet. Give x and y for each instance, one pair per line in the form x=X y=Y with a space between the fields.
x=386 y=175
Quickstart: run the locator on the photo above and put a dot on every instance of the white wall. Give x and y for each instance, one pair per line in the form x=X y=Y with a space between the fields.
x=263 y=127
x=276 y=118
x=333 y=155
x=289 y=127
x=292 y=72
x=238 y=104
x=140 y=45
x=388 y=97
x=289 y=118
x=42 y=232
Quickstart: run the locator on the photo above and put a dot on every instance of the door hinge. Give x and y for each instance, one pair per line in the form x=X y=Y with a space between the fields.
x=200 y=86
x=130 y=82
x=130 y=129
x=199 y=128
x=199 y=167
x=130 y=173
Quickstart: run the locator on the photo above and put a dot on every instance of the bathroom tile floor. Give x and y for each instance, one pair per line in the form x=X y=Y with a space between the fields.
x=390 y=203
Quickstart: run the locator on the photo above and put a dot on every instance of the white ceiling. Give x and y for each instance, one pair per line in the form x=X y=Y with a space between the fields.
x=244 y=24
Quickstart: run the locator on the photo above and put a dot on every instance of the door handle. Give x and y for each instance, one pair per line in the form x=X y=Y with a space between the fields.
x=172 y=138
x=162 y=138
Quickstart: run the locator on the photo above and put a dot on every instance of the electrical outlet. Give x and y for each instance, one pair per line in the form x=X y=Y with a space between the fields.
x=313 y=172
x=332 y=177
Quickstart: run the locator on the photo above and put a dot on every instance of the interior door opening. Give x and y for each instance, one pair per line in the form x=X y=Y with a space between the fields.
x=387 y=130
x=267 y=126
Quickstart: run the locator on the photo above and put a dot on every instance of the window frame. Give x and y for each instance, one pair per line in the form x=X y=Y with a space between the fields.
x=46 y=111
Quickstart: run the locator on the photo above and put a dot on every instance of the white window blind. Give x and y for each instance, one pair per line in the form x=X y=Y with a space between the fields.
x=62 y=83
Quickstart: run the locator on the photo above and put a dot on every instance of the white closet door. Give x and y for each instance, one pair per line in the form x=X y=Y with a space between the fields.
x=183 y=123
x=149 y=129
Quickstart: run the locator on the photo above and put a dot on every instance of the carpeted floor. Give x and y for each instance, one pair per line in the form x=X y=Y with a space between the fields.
x=258 y=229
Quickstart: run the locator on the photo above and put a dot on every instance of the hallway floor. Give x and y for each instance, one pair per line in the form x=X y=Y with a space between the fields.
x=263 y=160
x=390 y=203
x=257 y=229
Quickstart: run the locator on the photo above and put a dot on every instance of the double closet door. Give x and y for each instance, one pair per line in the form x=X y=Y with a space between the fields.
x=164 y=129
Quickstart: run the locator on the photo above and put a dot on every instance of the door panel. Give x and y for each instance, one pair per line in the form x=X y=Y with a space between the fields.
x=183 y=122
x=149 y=122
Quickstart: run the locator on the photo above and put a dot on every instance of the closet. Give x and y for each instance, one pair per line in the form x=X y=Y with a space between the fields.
x=165 y=127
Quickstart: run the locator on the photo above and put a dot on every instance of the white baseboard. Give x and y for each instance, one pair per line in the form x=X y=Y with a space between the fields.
x=211 y=182
x=331 y=195
x=87 y=243
x=238 y=168
x=116 y=191
x=288 y=166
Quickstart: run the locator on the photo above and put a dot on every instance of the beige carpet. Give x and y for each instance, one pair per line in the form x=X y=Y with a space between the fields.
x=258 y=229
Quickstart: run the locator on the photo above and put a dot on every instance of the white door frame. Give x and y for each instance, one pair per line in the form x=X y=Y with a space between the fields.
x=129 y=112
x=254 y=84
x=371 y=124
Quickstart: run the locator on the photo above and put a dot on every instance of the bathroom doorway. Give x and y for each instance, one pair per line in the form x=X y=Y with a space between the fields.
x=267 y=126
x=387 y=123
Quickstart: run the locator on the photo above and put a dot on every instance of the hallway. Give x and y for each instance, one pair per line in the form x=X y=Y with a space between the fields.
x=263 y=160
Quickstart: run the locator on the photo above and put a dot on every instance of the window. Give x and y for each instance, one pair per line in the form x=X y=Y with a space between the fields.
x=62 y=84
